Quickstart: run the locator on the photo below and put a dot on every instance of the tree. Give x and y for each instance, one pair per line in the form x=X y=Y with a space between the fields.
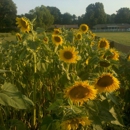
x=56 y=14
x=8 y=12
x=43 y=17
x=95 y=14
x=123 y=15
x=110 y=18
x=66 y=18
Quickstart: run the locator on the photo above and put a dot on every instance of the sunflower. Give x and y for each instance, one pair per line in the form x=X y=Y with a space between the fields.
x=80 y=92
x=23 y=24
x=45 y=40
x=73 y=124
x=83 y=28
x=87 y=61
x=103 y=43
x=92 y=34
x=57 y=40
x=78 y=36
x=68 y=54
x=107 y=83
x=128 y=57
x=114 y=55
x=57 y=31
x=18 y=36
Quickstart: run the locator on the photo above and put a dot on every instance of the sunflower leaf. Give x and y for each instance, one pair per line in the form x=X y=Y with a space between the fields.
x=10 y=96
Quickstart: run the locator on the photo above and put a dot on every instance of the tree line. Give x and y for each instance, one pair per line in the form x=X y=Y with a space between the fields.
x=45 y=16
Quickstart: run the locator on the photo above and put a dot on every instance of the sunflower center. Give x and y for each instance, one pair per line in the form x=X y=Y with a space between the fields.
x=57 y=39
x=84 y=28
x=102 y=44
x=24 y=24
x=68 y=55
x=78 y=92
x=57 y=32
x=45 y=39
x=105 y=81
x=79 y=36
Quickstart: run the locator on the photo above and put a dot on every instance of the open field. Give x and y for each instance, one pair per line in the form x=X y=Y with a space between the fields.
x=119 y=37
x=7 y=37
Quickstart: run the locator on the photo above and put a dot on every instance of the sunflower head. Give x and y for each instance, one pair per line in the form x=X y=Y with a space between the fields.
x=78 y=36
x=45 y=40
x=56 y=31
x=80 y=92
x=68 y=54
x=114 y=54
x=128 y=57
x=24 y=24
x=103 y=43
x=83 y=28
x=73 y=123
x=57 y=40
x=18 y=37
x=107 y=83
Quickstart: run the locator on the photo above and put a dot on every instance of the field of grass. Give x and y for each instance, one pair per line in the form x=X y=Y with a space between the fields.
x=7 y=37
x=119 y=37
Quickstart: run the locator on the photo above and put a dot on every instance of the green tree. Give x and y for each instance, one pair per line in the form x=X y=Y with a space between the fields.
x=95 y=14
x=66 y=18
x=43 y=17
x=56 y=14
x=123 y=15
x=110 y=18
x=8 y=11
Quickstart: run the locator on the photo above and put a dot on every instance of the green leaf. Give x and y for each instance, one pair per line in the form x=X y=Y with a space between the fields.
x=113 y=98
x=97 y=127
x=46 y=122
x=116 y=115
x=2 y=128
x=18 y=124
x=3 y=71
x=105 y=115
x=10 y=96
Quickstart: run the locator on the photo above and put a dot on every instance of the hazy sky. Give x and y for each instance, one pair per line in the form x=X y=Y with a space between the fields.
x=76 y=7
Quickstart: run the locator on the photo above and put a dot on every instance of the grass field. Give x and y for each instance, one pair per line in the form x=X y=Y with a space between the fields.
x=7 y=37
x=119 y=37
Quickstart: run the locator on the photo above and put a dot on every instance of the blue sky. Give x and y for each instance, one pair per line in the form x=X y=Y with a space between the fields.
x=76 y=7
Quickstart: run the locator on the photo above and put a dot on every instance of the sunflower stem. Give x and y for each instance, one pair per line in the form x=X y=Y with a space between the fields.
x=34 y=91
x=56 y=47
x=68 y=67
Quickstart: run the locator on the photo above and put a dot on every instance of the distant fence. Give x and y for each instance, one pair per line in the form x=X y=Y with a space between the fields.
x=111 y=30
x=118 y=46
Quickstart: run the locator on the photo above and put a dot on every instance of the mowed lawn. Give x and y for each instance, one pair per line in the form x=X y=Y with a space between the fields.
x=7 y=37
x=119 y=37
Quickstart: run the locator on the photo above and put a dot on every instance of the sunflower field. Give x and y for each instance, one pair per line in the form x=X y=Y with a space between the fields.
x=63 y=80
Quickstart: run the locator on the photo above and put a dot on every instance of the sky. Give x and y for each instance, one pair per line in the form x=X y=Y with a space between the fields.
x=77 y=7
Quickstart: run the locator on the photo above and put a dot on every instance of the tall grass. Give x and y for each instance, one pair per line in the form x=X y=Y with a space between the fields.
x=119 y=37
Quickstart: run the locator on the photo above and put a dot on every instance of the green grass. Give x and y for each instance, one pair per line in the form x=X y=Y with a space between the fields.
x=7 y=37
x=119 y=37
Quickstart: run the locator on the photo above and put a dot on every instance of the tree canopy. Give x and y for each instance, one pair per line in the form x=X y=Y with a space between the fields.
x=56 y=14
x=46 y=16
x=95 y=14
x=43 y=17
x=123 y=15
x=8 y=12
